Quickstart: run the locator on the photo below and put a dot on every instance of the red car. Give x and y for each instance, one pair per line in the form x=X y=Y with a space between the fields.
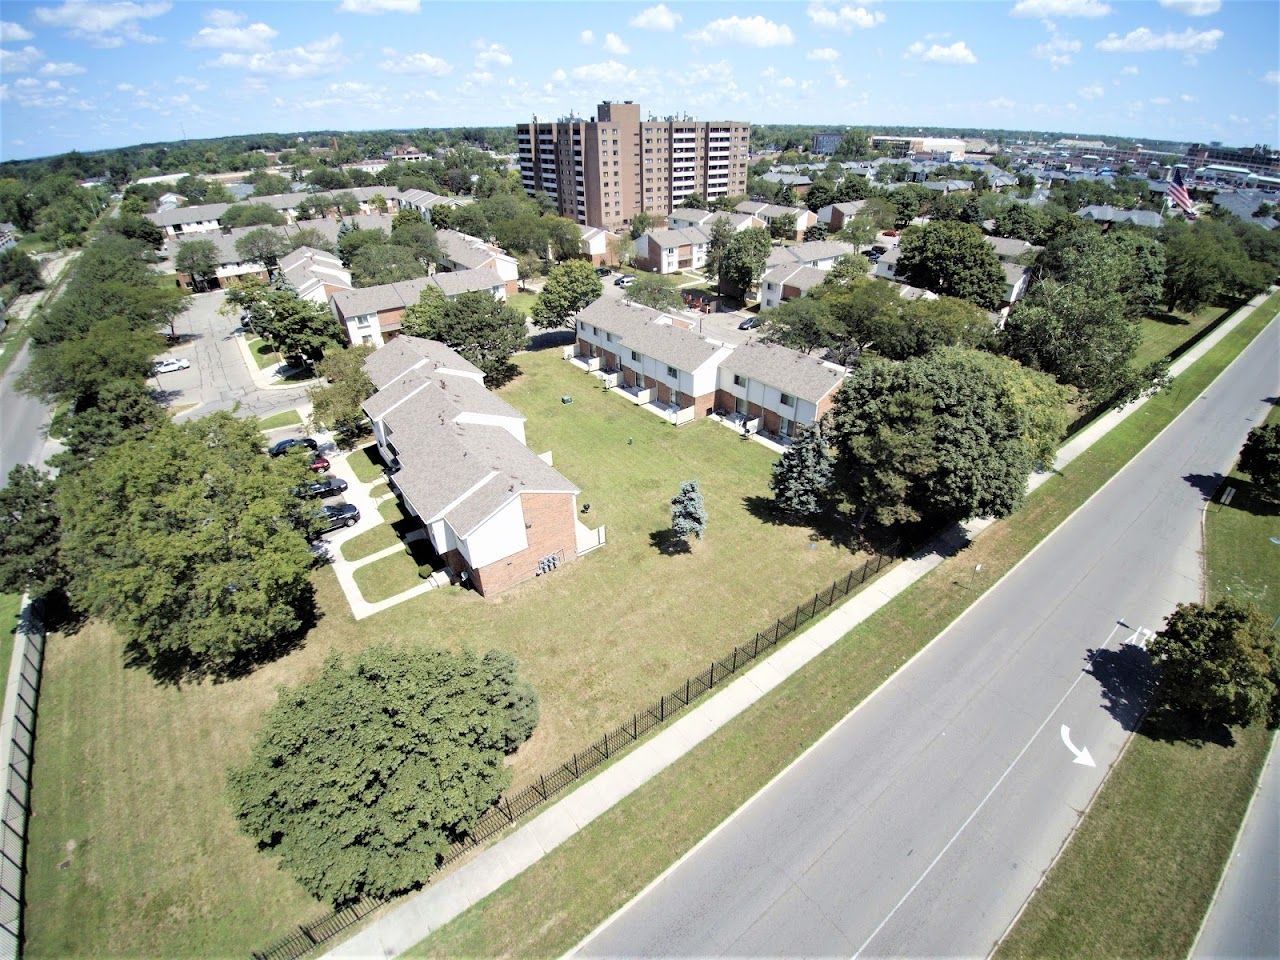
x=319 y=465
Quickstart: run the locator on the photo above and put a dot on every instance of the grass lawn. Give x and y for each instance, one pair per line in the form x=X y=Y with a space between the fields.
x=285 y=418
x=523 y=302
x=1140 y=871
x=565 y=895
x=1165 y=332
x=387 y=577
x=369 y=542
x=262 y=353
x=366 y=463
x=10 y=607
x=134 y=773
x=379 y=490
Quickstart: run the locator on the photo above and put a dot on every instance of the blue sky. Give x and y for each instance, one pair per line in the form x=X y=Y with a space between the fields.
x=84 y=74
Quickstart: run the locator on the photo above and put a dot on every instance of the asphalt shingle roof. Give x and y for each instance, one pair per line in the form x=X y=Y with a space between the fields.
x=640 y=329
x=801 y=375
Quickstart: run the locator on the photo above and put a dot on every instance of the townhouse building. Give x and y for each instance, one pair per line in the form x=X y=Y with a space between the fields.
x=463 y=252
x=596 y=243
x=768 y=212
x=836 y=216
x=689 y=217
x=371 y=315
x=315 y=275
x=672 y=250
x=783 y=389
x=604 y=171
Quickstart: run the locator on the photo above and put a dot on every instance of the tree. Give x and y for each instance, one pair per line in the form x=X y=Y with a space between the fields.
x=528 y=266
x=192 y=545
x=20 y=271
x=952 y=258
x=650 y=290
x=1217 y=664
x=385 y=263
x=1260 y=458
x=420 y=237
x=1024 y=222
x=482 y=329
x=308 y=237
x=744 y=259
x=783 y=227
x=353 y=241
x=406 y=217
x=816 y=232
x=717 y=244
x=251 y=215
x=300 y=329
x=641 y=223
x=339 y=404
x=563 y=237
x=688 y=513
x=199 y=260
x=268 y=184
x=346 y=202
x=693 y=201
x=77 y=369
x=362 y=778
x=122 y=410
x=931 y=440
x=803 y=324
x=30 y=556
x=262 y=245
x=1142 y=273
x=570 y=287
x=801 y=478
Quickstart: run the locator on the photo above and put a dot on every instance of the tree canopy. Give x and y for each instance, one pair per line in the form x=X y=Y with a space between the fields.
x=570 y=287
x=744 y=258
x=378 y=263
x=30 y=531
x=688 y=512
x=337 y=404
x=952 y=258
x=483 y=330
x=1260 y=458
x=801 y=477
x=650 y=290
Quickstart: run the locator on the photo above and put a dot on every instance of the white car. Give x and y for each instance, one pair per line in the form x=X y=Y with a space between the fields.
x=172 y=366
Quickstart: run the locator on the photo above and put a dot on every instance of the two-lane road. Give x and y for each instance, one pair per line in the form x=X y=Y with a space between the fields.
x=23 y=420
x=921 y=823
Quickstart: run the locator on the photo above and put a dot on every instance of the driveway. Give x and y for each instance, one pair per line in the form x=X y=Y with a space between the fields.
x=218 y=378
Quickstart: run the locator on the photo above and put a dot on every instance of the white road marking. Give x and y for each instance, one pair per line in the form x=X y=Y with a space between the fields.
x=1082 y=756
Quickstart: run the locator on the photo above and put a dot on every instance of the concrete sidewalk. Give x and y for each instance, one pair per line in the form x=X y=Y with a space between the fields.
x=421 y=913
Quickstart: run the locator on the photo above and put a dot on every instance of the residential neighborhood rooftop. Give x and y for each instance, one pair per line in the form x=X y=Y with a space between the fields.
x=799 y=374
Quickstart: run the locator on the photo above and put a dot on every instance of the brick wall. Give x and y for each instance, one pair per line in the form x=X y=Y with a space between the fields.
x=549 y=528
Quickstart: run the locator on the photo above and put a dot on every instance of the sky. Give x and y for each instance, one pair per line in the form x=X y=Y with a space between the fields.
x=80 y=74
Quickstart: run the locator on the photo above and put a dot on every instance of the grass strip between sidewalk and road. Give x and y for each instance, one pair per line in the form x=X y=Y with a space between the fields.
x=1139 y=873
x=285 y=418
x=565 y=895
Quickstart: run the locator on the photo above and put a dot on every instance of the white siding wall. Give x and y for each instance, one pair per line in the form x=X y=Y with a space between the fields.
x=769 y=398
x=358 y=330
x=499 y=536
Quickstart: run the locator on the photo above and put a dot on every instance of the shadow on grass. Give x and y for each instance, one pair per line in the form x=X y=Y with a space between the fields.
x=830 y=524
x=1168 y=726
x=668 y=544
x=1249 y=497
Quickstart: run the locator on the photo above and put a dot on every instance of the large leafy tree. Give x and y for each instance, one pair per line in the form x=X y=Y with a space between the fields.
x=122 y=410
x=337 y=405
x=20 y=271
x=300 y=329
x=30 y=531
x=1218 y=663
x=198 y=259
x=803 y=324
x=352 y=242
x=482 y=329
x=783 y=227
x=1260 y=458
x=77 y=370
x=251 y=215
x=952 y=258
x=191 y=543
x=744 y=258
x=1206 y=262
x=931 y=440
x=385 y=263
x=717 y=246
x=262 y=245
x=570 y=287
x=801 y=477
x=361 y=779
x=650 y=290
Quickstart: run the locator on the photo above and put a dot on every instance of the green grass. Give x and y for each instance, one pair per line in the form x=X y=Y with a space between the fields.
x=263 y=354
x=369 y=542
x=379 y=490
x=1140 y=871
x=523 y=302
x=285 y=418
x=386 y=577
x=1163 y=333
x=134 y=772
x=10 y=607
x=561 y=898
x=365 y=463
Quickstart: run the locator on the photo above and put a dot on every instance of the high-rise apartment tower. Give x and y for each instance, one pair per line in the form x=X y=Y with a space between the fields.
x=603 y=172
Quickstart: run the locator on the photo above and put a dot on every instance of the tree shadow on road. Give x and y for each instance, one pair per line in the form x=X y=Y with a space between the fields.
x=1206 y=483
x=1128 y=681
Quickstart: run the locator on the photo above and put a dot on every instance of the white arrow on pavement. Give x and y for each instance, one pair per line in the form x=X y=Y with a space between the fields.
x=1082 y=755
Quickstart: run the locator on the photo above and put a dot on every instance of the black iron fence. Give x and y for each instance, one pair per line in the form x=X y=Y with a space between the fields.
x=511 y=808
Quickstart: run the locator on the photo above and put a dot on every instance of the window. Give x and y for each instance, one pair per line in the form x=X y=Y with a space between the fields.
x=787 y=400
x=671 y=372
x=363 y=321
x=739 y=380
x=635 y=356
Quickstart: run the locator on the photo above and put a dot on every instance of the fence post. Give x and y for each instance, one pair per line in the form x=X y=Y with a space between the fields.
x=575 y=766
x=755 y=646
x=662 y=704
x=735 y=659
x=508 y=802
x=606 y=746
x=813 y=612
x=635 y=726
x=307 y=933
x=687 y=682
x=866 y=565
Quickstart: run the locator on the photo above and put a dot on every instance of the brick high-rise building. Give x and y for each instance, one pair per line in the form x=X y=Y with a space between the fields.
x=603 y=172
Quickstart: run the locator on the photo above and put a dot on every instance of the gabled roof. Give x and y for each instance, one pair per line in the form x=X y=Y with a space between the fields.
x=667 y=238
x=801 y=375
x=809 y=252
x=465 y=249
x=402 y=354
x=796 y=275
x=1010 y=247
x=405 y=293
x=649 y=332
x=1108 y=214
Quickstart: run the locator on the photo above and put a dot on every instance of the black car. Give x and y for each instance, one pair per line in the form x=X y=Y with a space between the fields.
x=603 y=271
x=749 y=323
x=324 y=487
x=338 y=515
x=281 y=447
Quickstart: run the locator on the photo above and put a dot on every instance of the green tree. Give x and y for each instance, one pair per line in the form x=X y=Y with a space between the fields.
x=20 y=271
x=744 y=259
x=482 y=329
x=76 y=370
x=262 y=245
x=420 y=237
x=528 y=266
x=30 y=532
x=1217 y=664
x=641 y=223
x=570 y=287
x=688 y=513
x=382 y=263
x=650 y=290
x=199 y=260
x=268 y=184
x=122 y=410
x=802 y=477
x=192 y=545
x=308 y=237
x=139 y=228
x=347 y=204
x=353 y=241
x=300 y=329
x=816 y=232
x=783 y=227
x=803 y=324
x=412 y=753
x=338 y=405
x=1023 y=222
x=717 y=245
x=251 y=215
x=1260 y=459
x=952 y=258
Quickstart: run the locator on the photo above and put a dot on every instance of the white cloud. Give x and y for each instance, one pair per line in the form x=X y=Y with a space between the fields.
x=20 y=61
x=823 y=53
x=746 y=31
x=1160 y=101
x=1057 y=50
x=1130 y=71
x=420 y=64
x=1060 y=8
x=613 y=44
x=126 y=87
x=1143 y=40
x=379 y=6
x=838 y=78
x=956 y=53
x=11 y=32
x=1272 y=76
x=1193 y=8
x=610 y=71
x=586 y=36
x=559 y=76
x=1001 y=103
x=492 y=55
x=1093 y=91
x=845 y=18
x=104 y=24
x=307 y=60
x=1186 y=98
x=656 y=18
x=63 y=69
x=225 y=32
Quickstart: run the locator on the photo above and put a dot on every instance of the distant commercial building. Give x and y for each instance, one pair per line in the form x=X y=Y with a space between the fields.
x=826 y=143
x=949 y=148
x=603 y=172
x=1261 y=159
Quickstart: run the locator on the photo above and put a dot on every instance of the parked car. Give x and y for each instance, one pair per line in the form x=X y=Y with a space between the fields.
x=625 y=280
x=319 y=464
x=749 y=324
x=338 y=515
x=324 y=487
x=172 y=366
x=603 y=271
x=281 y=447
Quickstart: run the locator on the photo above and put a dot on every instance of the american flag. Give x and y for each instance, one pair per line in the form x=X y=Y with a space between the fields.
x=1179 y=196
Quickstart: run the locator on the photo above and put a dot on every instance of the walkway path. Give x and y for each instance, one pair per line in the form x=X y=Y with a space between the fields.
x=419 y=914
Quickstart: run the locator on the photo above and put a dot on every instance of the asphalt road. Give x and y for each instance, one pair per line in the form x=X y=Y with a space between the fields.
x=1245 y=919
x=921 y=823
x=23 y=420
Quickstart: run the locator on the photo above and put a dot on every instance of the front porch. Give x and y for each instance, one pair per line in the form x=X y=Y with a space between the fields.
x=752 y=428
x=613 y=381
